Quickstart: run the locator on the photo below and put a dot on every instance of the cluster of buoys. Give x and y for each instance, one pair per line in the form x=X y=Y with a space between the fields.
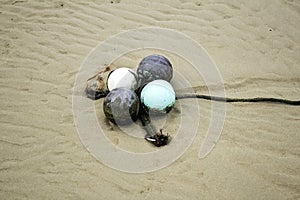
x=131 y=95
x=148 y=89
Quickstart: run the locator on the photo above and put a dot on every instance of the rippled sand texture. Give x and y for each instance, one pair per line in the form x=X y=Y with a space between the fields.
x=256 y=47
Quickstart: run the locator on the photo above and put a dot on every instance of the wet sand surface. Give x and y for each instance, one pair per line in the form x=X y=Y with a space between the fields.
x=255 y=45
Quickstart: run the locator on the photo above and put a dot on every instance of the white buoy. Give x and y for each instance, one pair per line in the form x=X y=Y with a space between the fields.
x=158 y=96
x=122 y=77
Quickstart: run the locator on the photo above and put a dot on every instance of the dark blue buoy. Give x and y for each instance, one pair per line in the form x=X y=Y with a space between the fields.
x=121 y=106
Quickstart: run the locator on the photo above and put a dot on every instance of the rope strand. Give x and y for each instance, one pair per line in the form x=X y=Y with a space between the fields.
x=224 y=99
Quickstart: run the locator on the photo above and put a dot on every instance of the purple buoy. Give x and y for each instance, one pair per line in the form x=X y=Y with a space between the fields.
x=154 y=67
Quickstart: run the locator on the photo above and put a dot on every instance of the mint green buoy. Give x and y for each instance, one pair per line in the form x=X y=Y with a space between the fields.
x=158 y=96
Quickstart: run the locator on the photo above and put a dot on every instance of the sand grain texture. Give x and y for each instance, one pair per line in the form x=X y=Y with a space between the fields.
x=255 y=44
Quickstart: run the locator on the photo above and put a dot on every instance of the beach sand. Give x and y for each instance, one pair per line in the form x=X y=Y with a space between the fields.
x=255 y=45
